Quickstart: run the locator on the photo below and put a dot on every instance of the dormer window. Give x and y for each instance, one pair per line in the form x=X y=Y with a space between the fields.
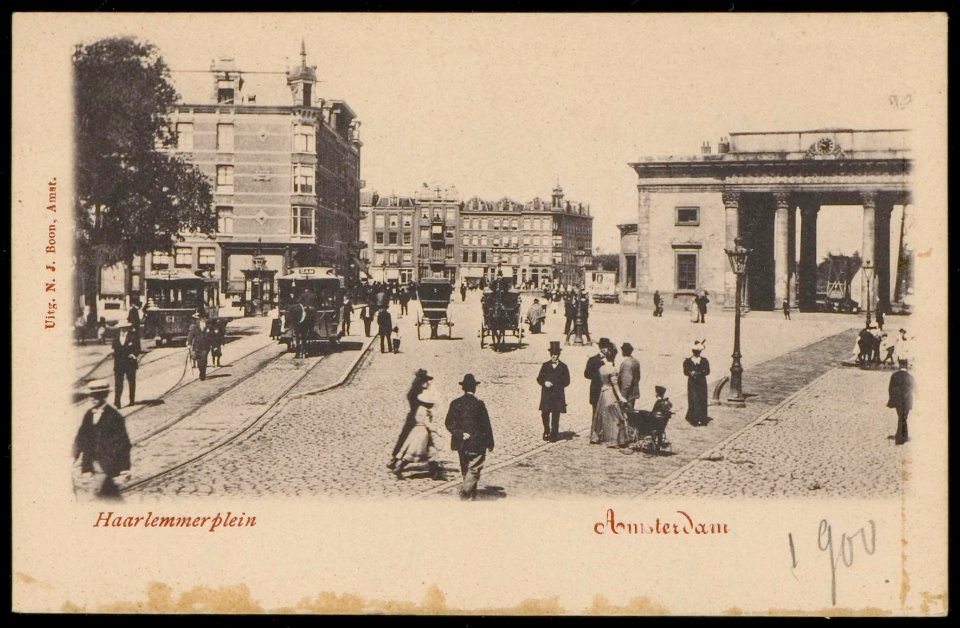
x=225 y=92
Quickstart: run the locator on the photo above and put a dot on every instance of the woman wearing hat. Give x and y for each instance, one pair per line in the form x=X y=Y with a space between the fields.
x=419 y=444
x=553 y=378
x=609 y=420
x=421 y=381
x=696 y=368
x=102 y=443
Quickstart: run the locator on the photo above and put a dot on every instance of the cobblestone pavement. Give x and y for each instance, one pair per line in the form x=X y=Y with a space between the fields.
x=337 y=443
x=831 y=440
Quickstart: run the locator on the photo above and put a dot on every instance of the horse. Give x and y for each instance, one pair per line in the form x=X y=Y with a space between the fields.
x=299 y=320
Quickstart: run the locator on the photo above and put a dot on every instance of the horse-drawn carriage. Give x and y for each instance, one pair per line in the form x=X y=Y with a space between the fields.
x=501 y=314
x=434 y=295
x=172 y=298
x=310 y=306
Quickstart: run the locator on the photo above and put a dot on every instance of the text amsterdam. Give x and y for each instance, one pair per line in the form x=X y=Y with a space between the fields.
x=681 y=525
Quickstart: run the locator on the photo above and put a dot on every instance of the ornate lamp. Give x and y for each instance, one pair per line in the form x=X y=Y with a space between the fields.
x=738 y=264
x=868 y=275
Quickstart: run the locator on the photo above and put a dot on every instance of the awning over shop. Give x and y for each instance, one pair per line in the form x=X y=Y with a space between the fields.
x=472 y=271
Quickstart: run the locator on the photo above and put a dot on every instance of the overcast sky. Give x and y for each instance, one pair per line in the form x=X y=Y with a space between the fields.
x=503 y=105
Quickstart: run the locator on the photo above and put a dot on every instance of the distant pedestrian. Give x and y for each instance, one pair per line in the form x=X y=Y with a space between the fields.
x=662 y=411
x=366 y=315
x=694 y=310
x=404 y=301
x=864 y=347
x=786 y=309
x=553 y=378
x=569 y=314
x=346 y=313
x=696 y=368
x=463 y=292
x=198 y=342
x=880 y=320
x=384 y=329
x=126 y=349
x=535 y=317
x=629 y=375
x=102 y=330
x=901 y=398
x=415 y=400
x=218 y=333
x=133 y=316
x=102 y=444
x=657 y=304
x=471 y=435
x=702 y=301
x=395 y=339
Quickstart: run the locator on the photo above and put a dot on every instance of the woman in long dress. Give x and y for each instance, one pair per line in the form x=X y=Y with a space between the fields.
x=609 y=410
x=420 y=444
x=696 y=368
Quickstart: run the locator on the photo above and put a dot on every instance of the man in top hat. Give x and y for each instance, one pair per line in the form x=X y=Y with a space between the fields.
x=629 y=374
x=102 y=442
x=554 y=376
x=592 y=372
x=126 y=348
x=471 y=434
x=901 y=398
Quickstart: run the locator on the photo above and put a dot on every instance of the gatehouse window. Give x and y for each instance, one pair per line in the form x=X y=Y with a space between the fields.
x=686 y=264
x=688 y=216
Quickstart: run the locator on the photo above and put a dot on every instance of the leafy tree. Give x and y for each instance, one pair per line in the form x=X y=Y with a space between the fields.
x=134 y=194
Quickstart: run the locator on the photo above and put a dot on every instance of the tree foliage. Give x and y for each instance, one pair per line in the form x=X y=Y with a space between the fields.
x=134 y=195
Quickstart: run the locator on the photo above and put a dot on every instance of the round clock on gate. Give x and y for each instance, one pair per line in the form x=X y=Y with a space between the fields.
x=825 y=146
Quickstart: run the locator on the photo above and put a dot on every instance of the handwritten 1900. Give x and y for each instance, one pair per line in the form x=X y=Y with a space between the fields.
x=845 y=552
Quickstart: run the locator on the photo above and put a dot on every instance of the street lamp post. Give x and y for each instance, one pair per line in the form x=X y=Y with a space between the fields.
x=738 y=263
x=867 y=272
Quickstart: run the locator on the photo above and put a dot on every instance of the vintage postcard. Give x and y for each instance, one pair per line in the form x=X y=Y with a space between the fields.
x=457 y=314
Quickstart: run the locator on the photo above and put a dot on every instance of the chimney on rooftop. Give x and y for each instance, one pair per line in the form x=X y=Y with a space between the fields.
x=705 y=148
x=723 y=146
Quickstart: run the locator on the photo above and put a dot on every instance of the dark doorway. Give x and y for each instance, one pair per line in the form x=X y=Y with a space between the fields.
x=756 y=228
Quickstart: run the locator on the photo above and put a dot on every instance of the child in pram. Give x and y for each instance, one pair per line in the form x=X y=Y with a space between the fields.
x=652 y=423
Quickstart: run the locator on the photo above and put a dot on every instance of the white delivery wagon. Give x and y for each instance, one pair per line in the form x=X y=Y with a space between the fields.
x=602 y=284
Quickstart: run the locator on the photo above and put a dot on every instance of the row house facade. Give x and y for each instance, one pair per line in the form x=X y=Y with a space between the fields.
x=433 y=234
x=286 y=184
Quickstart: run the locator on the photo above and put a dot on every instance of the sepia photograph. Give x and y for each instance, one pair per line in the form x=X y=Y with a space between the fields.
x=537 y=314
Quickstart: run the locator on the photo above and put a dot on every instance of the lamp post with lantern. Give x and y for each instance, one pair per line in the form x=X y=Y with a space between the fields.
x=738 y=263
x=867 y=275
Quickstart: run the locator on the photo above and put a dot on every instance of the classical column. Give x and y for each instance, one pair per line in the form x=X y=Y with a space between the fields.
x=792 y=256
x=869 y=200
x=731 y=204
x=780 y=248
x=643 y=243
x=882 y=251
x=808 y=255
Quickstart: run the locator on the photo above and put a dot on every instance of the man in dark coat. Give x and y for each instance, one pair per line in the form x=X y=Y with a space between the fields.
x=200 y=341
x=102 y=440
x=901 y=398
x=126 y=348
x=592 y=372
x=569 y=313
x=657 y=304
x=554 y=376
x=133 y=316
x=463 y=292
x=471 y=434
x=702 y=301
x=696 y=368
x=384 y=328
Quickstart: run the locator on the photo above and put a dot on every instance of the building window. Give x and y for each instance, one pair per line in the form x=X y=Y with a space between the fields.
x=484 y=224
x=378 y=237
x=207 y=257
x=408 y=258
x=301 y=221
x=630 y=274
x=378 y=221
x=378 y=258
x=393 y=258
x=225 y=92
x=225 y=138
x=224 y=179
x=688 y=216
x=393 y=221
x=424 y=251
x=184 y=257
x=483 y=257
x=473 y=256
x=393 y=238
x=185 y=136
x=224 y=220
x=483 y=240
x=160 y=260
x=304 y=138
x=407 y=238
x=686 y=271
x=465 y=257
x=406 y=220
x=303 y=179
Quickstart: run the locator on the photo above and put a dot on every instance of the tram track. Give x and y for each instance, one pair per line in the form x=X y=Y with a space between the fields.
x=257 y=422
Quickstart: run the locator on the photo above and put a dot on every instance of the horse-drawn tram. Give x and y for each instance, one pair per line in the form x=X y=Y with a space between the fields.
x=434 y=294
x=501 y=314
x=173 y=297
x=310 y=305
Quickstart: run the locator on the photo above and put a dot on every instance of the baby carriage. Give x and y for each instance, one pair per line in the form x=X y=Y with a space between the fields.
x=646 y=429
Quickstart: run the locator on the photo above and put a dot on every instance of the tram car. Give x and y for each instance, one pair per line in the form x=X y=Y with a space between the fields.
x=172 y=298
x=310 y=303
x=501 y=314
x=434 y=294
